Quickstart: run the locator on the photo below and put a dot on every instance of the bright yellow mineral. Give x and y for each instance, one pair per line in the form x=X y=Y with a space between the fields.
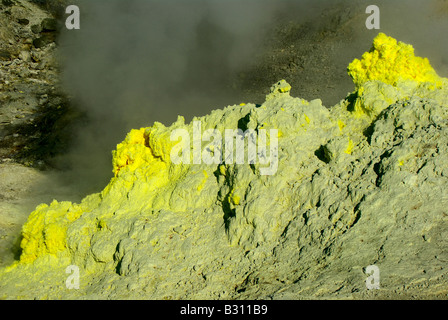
x=390 y=62
x=141 y=163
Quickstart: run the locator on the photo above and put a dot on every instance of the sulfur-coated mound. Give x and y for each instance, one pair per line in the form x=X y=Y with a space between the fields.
x=363 y=183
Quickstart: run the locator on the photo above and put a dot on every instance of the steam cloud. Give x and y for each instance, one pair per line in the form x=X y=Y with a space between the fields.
x=134 y=62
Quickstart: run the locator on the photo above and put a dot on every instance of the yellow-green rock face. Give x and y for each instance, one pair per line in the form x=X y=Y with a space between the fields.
x=345 y=176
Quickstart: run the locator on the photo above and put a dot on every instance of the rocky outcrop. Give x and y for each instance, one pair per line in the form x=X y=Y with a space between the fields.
x=360 y=184
x=35 y=112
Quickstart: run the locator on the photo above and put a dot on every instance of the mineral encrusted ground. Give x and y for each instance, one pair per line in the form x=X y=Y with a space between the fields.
x=360 y=184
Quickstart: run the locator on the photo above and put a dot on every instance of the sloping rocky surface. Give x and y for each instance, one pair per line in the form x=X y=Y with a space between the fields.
x=360 y=184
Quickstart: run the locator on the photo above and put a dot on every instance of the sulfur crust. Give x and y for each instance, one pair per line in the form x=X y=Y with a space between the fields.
x=390 y=61
x=45 y=230
x=148 y=149
x=387 y=73
x=146 y=180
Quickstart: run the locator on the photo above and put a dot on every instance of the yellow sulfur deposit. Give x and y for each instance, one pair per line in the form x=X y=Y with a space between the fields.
x=145 y=152
x=197 y=230
x=45 y=231
x=279 y=89
x=146 y=146
x=201 y=186
x=388 y=72
x=390 y=61
x=350 y=146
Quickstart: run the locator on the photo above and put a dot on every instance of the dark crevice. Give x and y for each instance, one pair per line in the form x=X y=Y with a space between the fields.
x=242 y=123
x=351 y=99
x=322 y=154
x=229 y=213
x=16 y=248
x=378 y=168
x=357 y=212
